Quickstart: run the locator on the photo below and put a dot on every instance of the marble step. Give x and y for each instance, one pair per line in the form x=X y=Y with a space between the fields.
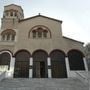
x=42 y=84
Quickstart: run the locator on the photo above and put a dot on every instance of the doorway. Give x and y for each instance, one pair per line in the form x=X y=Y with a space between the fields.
x=39 y=69
x=42 y=69
x=40 y=64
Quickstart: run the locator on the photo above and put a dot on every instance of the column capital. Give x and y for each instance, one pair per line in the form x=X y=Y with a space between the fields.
x=66 y=58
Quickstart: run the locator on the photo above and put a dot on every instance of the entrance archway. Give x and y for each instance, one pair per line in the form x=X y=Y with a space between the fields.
x=5 y=59
x=22 y=64
x=76 y=60
x=40 y=64
x=58 y=65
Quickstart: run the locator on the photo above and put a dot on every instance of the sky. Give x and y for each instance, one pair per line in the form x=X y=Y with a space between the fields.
x=75 y=14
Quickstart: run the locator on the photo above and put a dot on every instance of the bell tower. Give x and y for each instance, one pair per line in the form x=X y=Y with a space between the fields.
x=11 y=16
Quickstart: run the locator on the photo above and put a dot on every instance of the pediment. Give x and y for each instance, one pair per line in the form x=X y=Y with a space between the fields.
x=45 y=17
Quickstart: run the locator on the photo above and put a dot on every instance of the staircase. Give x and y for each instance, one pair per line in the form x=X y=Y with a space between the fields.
x=89 y=79
x=43 y=84
x=2 y=75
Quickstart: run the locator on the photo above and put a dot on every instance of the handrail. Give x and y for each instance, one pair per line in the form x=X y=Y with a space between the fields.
x=82 y=77
x=2 y=76
x=3 y=68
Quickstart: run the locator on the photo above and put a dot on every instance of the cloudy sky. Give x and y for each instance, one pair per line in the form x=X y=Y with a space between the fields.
x=75 y=14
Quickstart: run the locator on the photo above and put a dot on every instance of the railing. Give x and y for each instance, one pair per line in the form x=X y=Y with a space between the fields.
x=2 y=75
x=3 y=68
x=82 y=77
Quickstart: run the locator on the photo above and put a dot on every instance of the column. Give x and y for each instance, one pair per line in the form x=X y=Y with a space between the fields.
x=49 y=67
x=5 y=37
x=85 y=64
x=9 y=13
x=10 y=37
x=31 y=68
x=86 y=69
x=0 y=38
x=16 y=36
x=13 y=14
x=67 y=67
x=11 y=70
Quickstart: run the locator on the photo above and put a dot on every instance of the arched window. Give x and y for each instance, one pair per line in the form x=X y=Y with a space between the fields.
x=45 y=33
x=39 y=34
x=7 y=13
x=13 y=37
x=34 y=33
x=8 y=35
x=11 y=13
x=15 y=13
x=40 y=31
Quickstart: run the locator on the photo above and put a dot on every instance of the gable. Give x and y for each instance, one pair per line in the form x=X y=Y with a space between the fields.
x=53 y=25
x=49 y=18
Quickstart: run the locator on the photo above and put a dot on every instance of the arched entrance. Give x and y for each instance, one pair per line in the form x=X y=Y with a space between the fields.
x=76 y=60
x=58 y=64
x=22 y=64
x=5 y=59
x=40 y=64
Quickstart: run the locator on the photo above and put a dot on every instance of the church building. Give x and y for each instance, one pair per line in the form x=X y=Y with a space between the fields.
x=35 y=47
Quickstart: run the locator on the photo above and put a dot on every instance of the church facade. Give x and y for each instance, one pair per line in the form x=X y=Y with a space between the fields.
x=35 y=47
